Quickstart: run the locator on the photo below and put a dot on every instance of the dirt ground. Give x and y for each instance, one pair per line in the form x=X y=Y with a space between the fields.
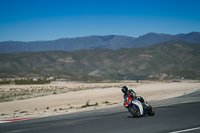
x=98 y=95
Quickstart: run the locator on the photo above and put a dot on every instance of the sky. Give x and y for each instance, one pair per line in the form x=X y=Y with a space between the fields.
x=34 y=20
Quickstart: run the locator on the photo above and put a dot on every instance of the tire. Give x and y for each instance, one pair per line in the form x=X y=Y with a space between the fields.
x=151 y=112
x=135 y=112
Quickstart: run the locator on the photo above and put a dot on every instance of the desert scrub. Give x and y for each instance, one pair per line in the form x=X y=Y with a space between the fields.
x=29 y=92
x=5 y=82
x=106 y=102
x=23 y=112
x=88 y=105
x=37 y=91
x=3 y=114
x=23 y=82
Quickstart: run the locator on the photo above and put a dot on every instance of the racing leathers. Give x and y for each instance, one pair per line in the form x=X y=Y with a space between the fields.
x=129 y=96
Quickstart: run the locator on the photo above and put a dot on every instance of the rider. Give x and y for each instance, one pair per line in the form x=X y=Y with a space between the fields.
x=128 y=94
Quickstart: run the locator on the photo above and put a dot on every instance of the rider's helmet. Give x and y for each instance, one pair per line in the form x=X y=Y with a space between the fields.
x=124 y=89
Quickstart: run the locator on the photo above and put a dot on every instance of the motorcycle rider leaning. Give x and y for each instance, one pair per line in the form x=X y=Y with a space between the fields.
x=131 y=94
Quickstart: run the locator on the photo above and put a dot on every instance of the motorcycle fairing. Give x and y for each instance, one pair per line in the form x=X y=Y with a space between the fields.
x=139 y=105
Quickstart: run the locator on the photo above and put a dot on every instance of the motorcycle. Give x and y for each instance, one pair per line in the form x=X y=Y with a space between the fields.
x=138 y=107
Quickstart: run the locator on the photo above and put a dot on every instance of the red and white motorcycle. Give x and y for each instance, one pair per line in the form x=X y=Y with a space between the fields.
x=138 y=107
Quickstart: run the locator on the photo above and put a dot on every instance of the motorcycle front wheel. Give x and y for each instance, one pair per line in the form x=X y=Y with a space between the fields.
x=134 y=110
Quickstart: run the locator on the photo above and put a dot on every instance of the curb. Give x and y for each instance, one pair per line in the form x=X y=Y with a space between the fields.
x=12 y=120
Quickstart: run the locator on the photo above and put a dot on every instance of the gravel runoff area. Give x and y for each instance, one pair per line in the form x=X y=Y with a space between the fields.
x=80 y=96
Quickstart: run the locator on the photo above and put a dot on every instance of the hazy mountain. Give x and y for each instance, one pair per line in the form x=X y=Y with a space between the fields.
x=96 y=42
x=132 y=63
x=153 y=38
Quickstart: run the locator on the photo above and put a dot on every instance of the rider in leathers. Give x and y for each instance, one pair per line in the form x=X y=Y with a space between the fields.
x=131 y=94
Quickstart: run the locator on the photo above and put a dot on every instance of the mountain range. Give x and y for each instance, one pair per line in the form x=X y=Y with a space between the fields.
x=170 y=59
x=113 y=42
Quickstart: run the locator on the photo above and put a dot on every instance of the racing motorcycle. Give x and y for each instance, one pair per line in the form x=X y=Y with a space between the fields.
x=138 y=107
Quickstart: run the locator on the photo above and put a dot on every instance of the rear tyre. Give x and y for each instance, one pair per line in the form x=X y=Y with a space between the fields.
x=151 y=112
x=135 y=112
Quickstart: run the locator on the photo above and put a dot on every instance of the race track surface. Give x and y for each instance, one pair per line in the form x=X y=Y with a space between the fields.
x=180 y=114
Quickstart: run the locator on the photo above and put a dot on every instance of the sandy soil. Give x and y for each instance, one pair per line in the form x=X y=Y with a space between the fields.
x=99 y=94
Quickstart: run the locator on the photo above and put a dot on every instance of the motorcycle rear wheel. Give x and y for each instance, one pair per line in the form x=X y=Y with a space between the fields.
x=151 y=112
x=135 y=112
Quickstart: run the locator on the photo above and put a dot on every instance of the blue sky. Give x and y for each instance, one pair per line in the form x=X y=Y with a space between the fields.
x=33 y=20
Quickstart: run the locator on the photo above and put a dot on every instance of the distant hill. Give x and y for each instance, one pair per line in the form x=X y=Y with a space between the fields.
x=171 y=59
x=96 y=42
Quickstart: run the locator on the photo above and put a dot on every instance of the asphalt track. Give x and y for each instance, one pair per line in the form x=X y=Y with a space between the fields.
x=176 y=115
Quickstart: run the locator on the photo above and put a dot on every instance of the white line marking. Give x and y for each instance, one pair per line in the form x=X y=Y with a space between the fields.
x=186 y=130
x=4 y=121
